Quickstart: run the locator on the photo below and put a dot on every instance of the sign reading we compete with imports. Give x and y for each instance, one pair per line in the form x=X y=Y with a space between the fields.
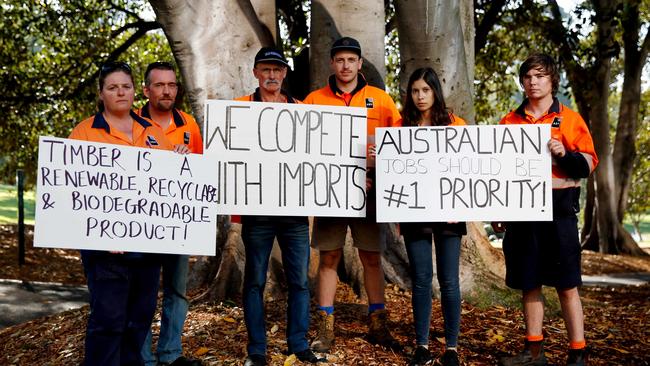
x=287 y=159
x=469 y=173
x=110 y=197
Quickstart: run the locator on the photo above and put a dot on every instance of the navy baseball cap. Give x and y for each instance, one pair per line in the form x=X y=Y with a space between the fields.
x=346 y=43
x=270 y=54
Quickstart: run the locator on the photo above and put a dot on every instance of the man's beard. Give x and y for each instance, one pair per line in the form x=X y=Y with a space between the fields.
x=165 y=105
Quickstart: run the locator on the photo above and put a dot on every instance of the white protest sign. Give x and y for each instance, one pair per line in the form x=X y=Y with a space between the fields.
x=110 y=197
x=287 y=159
x=468 y=173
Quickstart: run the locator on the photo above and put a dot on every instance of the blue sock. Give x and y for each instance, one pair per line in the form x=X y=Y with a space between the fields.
x=327 y=309
x=373 y=307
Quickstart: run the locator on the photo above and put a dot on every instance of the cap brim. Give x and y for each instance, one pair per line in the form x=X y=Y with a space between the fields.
x=356 y=50
x=272 y=60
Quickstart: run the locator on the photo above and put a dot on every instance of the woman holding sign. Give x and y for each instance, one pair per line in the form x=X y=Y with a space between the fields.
x=123 y=286
x=425 y=106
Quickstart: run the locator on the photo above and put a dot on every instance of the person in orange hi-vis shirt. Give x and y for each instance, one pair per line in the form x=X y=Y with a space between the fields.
x=548 y=253
x=292 y=233
x=161 y=90
x=123 y=286
x=348 y=87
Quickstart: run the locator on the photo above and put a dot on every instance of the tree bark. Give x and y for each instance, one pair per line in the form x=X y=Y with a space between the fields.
x=591 y=90
x=431 y=33
x=214 y=60
x=628 y=117
x=447 y=46
x=362 y=20
x=217 y=62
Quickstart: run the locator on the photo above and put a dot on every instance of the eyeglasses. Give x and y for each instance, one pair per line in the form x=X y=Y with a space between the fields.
x=112 y=66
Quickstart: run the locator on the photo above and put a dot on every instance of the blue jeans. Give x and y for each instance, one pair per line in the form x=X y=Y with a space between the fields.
x=294 y=243
x=174 y=311
x=421 y=270
x=122 y=303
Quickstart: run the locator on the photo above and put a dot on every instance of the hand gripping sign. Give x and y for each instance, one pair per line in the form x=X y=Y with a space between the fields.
x=110 y=197
x=464 y=173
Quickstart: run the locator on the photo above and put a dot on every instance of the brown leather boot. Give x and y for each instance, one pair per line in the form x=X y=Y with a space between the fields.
x=325 y=337
x=378 y=331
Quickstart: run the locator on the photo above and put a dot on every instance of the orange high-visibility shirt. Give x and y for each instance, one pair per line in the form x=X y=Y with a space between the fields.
x=382 y=111
x=145 y=133
x=183 y=129
x=567 y=126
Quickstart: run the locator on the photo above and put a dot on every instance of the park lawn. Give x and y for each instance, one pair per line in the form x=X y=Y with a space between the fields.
x=644 y=227
x=9 y=205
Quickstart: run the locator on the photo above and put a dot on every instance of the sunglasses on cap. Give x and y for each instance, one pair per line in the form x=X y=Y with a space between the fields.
x=111 y=66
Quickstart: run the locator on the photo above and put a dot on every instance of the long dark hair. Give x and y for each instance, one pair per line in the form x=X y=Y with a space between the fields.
x=439 y=114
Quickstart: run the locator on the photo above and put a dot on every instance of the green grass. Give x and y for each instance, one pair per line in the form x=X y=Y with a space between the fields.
x=644 y=227
x=9 y=205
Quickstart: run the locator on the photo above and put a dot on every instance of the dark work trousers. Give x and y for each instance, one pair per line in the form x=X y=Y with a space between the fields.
x=123 y=291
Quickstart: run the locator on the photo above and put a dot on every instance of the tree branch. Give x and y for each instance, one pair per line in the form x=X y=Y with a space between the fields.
x=492 y=15
x=125 y=10
x=149 y=25
x=645 y=48
x=112 y=57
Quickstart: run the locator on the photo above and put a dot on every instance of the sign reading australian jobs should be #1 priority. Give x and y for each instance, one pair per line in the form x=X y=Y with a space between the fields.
x=120 y=198
x=468 y=173
x=287 y=159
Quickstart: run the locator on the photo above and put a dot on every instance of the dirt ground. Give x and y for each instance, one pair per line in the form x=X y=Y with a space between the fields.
x=616 y=321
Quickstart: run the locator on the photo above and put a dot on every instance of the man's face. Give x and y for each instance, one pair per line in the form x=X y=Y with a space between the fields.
x=537 y=84
x=270 y=75
x=346 y=66
x=162 y=89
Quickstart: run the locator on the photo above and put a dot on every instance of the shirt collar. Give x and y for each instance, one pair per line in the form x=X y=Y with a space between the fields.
x=257 y=96
x=521 y=110
x=100 y=122
x=361 y=83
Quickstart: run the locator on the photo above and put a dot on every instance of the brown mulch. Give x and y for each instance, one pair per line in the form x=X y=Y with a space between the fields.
x=616 y=322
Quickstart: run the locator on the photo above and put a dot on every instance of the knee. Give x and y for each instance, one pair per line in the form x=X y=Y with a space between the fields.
x=330 y=259
x=370 y=260
x=568 y=295
x=447 y=280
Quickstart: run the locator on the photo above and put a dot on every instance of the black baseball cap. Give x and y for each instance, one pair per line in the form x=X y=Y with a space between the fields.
x=346 y=43
x=270 y=54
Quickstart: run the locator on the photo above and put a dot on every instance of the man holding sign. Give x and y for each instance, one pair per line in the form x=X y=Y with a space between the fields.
x=548 y=253
x=161 y=88
x=347 y=87
x=258 y=233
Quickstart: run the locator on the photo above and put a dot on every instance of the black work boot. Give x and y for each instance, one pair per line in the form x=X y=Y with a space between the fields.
x=532 y=355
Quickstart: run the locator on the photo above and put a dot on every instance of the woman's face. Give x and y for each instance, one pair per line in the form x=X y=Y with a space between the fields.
x=118 y=92
x=422 y=95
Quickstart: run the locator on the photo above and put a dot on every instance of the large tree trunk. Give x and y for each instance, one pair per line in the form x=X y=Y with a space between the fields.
x=438 y=34
x=591 y=91
x=216 y=62
x=628 y=117
x=362 y=20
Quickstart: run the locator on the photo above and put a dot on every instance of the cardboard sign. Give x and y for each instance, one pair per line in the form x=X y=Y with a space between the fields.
x=469 y=173
x=287 y=159
x=110 y=197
